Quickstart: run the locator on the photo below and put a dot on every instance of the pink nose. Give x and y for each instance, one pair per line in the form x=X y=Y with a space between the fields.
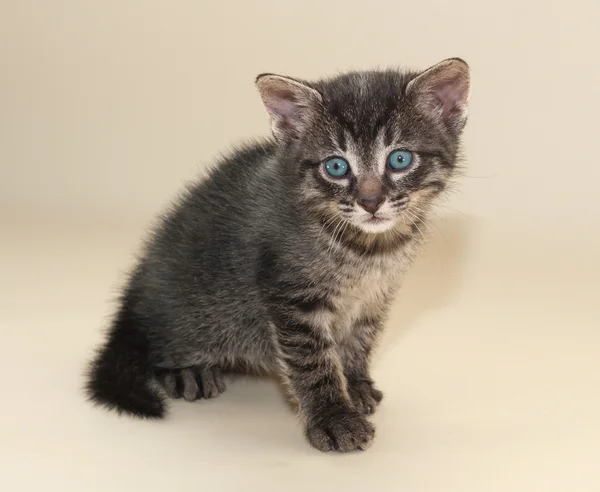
x=371 y=203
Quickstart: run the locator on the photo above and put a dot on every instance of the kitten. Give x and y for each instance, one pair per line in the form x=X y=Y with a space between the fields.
x=286 y=258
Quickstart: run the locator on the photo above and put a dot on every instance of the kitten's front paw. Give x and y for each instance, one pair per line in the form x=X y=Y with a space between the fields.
x=342 y=431
x=364 y=395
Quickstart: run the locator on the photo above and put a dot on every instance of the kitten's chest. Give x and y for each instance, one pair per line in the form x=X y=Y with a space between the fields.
x=362 y=292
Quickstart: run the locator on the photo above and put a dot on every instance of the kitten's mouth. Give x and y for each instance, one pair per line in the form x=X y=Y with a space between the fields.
x=375 y=220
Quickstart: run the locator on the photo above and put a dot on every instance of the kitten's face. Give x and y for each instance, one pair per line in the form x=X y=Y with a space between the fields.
x=379 y=182
x=372 y=149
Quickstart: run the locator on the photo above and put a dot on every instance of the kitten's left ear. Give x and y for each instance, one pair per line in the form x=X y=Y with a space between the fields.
x=289 y=103
x=443 y=92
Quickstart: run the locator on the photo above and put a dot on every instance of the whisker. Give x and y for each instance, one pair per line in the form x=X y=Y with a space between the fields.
x=413 y=222
x=335 y=231
x=478 y=177
x=331 y=236
x=340 y=232
x=346 y=224
x=419 y=219
x=436 y=228
x=325 y=224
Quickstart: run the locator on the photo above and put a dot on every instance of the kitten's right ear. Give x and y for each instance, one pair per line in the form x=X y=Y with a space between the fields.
x=288 y=102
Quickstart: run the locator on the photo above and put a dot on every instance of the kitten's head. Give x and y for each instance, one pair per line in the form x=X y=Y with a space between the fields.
x=372 y=149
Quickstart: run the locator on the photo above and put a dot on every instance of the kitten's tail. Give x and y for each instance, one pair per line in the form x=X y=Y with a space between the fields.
x=120 y=376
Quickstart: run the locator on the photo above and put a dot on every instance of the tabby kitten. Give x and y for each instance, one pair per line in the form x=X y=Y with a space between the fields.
x=286 y=258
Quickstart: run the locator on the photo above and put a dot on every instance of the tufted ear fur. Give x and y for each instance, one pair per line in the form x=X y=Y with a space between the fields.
x=289 y=103
x=443 y=92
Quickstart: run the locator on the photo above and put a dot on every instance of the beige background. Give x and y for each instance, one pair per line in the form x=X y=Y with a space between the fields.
x=490 y=362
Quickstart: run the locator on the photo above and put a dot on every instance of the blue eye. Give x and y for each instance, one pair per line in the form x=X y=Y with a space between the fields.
x=336 y=167
x=400 y=160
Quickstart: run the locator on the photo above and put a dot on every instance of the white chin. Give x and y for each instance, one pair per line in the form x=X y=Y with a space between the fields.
x=376 y=226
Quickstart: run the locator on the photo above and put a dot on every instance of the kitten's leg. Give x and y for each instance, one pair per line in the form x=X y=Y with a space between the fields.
x=312 y=368
x=192 y=383
x=356 y=354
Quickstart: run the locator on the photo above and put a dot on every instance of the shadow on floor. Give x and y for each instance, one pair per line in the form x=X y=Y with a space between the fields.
x=433 y=281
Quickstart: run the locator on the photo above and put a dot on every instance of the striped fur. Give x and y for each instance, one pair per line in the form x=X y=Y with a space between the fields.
x=264 y=266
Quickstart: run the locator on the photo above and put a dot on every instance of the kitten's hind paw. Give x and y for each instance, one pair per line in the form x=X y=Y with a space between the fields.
x=192 y=383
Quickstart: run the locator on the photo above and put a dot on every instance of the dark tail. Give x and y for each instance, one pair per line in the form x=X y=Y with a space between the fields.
x=120 y=376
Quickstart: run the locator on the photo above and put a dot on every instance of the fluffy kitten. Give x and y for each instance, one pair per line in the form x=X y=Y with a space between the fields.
x=286 y=258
